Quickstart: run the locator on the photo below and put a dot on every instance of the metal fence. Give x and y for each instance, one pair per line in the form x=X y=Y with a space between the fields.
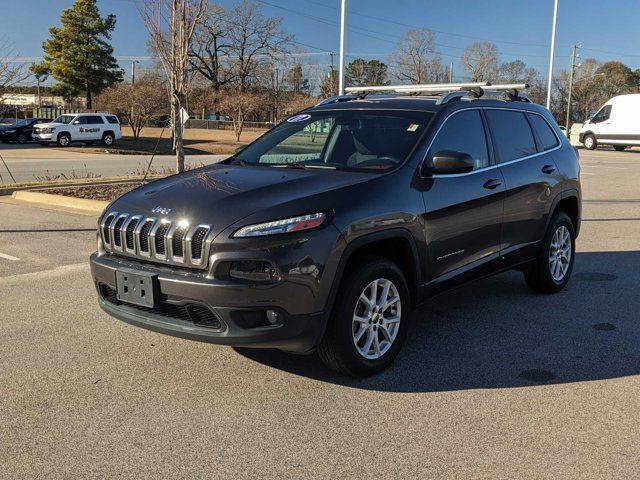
x=226 y=125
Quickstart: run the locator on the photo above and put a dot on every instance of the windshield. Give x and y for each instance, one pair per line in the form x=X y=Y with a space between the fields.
x=66 y=119
x=340 y=139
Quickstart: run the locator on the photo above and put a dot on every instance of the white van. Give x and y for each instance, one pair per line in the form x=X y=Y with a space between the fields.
x=617 y=123
x=81 y=127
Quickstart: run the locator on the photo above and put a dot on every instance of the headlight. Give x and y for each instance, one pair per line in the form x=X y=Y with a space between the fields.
x=50 y=130
x=287 y=225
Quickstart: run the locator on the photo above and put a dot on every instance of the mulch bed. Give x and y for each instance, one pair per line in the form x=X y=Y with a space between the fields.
x=106 y=192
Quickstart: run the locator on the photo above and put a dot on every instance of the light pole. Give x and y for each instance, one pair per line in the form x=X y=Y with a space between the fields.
x=574 y=55
x=553 y=45
x=343 y=11
x=133 y=72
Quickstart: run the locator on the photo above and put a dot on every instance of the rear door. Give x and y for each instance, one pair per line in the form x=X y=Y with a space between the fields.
x=531 y=177
x=463 y=212
x=94 y=128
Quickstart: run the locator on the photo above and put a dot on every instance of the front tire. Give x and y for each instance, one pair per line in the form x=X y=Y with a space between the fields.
x=64 y=139
x=590 y=142
x=369 y=319
x=551 y=271
x=21 y=139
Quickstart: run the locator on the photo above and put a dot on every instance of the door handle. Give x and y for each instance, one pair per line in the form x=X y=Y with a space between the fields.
x=492 y=183
x=548 y=169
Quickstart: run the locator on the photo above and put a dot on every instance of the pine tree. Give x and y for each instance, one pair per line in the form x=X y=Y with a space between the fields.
x=78 y=54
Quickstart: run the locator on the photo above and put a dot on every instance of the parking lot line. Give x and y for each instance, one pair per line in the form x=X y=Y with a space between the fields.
x=9 y=257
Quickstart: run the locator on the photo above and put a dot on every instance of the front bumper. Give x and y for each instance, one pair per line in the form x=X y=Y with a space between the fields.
x=194 y=306
x=42 y=137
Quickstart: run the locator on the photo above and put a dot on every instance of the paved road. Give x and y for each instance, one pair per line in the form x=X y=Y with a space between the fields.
x=494 y=381
x=33 y=162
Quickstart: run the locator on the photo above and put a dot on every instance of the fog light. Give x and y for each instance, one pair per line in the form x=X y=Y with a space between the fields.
x=272 y=316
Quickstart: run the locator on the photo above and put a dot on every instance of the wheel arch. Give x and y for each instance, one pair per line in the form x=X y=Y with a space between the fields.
x=567 y=202
x=397 y=245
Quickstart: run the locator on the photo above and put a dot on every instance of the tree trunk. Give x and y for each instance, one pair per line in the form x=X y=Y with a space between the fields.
x=89 y=99
x=177 y=131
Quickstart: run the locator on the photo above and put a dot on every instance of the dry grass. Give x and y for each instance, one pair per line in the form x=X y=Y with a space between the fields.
x=197 y=141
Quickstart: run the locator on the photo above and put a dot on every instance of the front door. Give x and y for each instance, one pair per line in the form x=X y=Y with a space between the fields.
x=463 y=212
x=78 y=130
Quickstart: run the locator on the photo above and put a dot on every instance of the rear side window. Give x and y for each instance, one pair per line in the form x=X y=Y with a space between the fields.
x=512 y=134
x=94 y=120
x=464 y=132
x=546 y=138
x=112 y=119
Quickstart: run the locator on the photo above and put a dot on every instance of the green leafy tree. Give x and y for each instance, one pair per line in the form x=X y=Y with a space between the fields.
x=78 y=54
x=361 y=72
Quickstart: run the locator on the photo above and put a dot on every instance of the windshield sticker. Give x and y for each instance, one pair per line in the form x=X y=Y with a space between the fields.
x=413 y=127
x=300 y=118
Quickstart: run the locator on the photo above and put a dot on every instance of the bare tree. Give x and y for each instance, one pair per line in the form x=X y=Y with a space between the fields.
x=240 y=105
x=211 y=48
x=298 y=101
x=415 y=59
x=137 y=104
x=255 y=39
x=12 y=71
x=171 y=25
x=480 y=60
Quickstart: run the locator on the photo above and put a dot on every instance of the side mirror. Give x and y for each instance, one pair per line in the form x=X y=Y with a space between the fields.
x=77 y=122
x=448 y=162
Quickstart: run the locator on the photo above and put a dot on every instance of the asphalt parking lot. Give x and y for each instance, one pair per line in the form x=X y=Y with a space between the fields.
x=494 y=381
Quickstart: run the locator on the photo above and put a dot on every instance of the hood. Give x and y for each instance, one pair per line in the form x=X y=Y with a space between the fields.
x=49 y=124
x=221 y=195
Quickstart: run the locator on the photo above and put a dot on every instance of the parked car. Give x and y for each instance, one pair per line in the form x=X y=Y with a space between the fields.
x=617 y=124
x=303 y=241
x=20 y=131
x=83 y=127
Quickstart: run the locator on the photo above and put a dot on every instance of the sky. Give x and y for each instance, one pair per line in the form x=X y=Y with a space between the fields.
x=607 y=30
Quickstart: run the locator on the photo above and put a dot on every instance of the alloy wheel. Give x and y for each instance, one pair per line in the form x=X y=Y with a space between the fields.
x=376 y=319
x=560 y=253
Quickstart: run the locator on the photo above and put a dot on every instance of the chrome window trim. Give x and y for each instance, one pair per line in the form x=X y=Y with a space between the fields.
x=490 y=167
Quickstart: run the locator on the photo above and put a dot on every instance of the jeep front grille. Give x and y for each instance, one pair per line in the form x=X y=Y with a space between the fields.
x=159 y=240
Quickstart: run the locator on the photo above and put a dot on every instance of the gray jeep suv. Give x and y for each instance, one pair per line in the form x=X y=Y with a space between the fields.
x=328 y=230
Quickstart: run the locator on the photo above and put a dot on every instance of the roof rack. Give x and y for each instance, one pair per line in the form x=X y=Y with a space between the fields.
x=447 y=92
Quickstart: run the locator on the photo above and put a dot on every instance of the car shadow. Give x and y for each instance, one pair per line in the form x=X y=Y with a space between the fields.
x=497 y=333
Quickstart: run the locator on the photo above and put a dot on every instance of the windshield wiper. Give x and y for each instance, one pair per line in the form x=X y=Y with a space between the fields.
x=303 y=166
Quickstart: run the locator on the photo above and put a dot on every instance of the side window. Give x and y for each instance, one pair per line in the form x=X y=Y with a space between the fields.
x=603 y=115
x=546 y=138
x=512 y=133
x=95 y=120
x=111 y=119
x=464 y=132
x=80 y=121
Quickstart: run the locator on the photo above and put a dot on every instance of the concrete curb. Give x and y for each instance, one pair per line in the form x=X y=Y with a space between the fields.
x=49 y=200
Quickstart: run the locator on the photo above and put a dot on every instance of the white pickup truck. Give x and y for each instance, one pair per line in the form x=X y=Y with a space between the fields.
x=80 y=127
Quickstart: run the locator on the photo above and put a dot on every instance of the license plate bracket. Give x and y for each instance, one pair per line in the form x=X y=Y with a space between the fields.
x=133 y=286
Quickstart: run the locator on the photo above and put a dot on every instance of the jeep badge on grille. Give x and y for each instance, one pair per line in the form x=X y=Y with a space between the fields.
x=161 y=210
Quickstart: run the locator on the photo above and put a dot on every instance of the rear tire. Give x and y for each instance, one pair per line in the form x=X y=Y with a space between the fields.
x=368 y=326
x=21 y=139
x=64 y=139
x=620 y=148
x=108 y=139
x=551 y=271
x=590 y=142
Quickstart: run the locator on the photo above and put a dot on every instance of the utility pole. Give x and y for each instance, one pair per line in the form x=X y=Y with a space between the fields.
x=574 y=55
x=451 y=72
x=39 y=97
x=343 y=11
x=553 y=46
x=133 y=72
